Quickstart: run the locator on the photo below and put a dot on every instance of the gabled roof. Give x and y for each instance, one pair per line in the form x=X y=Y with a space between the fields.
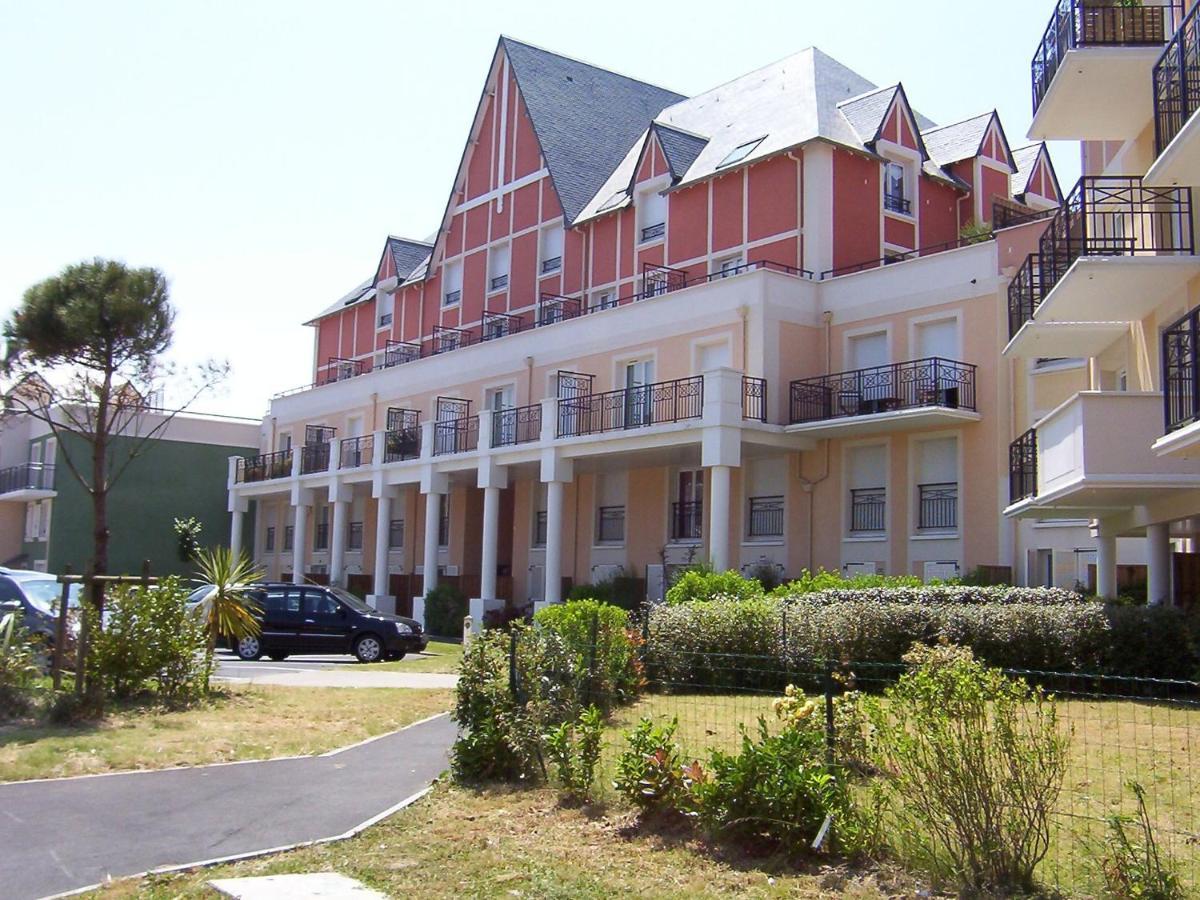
x=962 y=140
x=407 y=254
x=585 y=118
x=681 y=148
x=1025 y=162
x=360 y=294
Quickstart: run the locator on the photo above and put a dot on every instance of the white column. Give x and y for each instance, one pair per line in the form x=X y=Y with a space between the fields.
x=383 y=525
x=1106 y=566
x=337 y=546
x=491 y=542
x=433 y=516
x=554 y=534
x=1158 y=547
x=718 y=517
x=299 y=539
x=235 y=531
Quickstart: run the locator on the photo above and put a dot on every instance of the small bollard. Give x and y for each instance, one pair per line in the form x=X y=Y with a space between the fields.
x=468 y=626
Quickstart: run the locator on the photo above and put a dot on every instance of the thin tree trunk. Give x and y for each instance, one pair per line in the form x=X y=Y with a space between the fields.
x=99 y=524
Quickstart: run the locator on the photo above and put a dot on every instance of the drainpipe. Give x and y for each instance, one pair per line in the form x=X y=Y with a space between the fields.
x=808 y=485
x=529 y=381
x=827 y=323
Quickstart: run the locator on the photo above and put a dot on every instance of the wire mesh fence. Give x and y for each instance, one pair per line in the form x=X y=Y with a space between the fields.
x=1119 y=730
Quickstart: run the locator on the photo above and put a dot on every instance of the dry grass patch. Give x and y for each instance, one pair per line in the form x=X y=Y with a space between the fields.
x=521 y=843
x=439 y=656
x=251 y=722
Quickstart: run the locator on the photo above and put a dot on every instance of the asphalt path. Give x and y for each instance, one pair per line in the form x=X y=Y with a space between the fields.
x=63 y=834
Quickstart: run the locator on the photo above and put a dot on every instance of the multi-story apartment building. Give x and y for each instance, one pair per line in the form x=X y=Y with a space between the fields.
x=1103 y=312
x=743 y=326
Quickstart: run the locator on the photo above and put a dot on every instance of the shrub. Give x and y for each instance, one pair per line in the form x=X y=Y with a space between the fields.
x=649 y=772
x=821 y=580
x=976 y=761
x=601 y=647
x=624 y=591
x=695 y=584
x=573 y=748
x=1131 y=865
x=151 y=642
x=18 y=668
x=445 y=609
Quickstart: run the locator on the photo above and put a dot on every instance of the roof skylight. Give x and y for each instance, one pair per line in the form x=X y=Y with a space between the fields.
x=740 y=152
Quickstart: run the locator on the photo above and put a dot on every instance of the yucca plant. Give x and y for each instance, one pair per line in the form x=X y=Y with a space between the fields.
x=228 y=609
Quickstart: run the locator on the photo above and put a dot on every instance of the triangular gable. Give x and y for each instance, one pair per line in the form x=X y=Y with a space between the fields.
x=981 y=135
x=401 y=257
x=995 y=143
x=899 y=125
x=680 y=148
x=884 y=114
x=1034 y=161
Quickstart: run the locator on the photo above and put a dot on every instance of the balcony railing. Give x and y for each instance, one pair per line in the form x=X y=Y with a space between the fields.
x=553 y=308
x=904 y=256
x=27 y=477
x=456 y=436
x=497 y=325
x=687 y=520
x=633 y=407
x=264 y=467
x=1177 y=81
x=321 y=536
x=905 y=385
x=1007 y=213
x=446 y=339
x=1103 y=216
x=937 y=506
x=357 y=451
x=354 y=536
x=518 y=425
x=340 y=369
x=754 y=399
x=552 y=264
x=610 y=524
x=1022 y=467
x=402 y=444
x=1098 y=23
x=1181 y=372
x=651 y=232
x=897 y=203
x=766 y=517
x=396 y=353
x=314 y=458
x=868 y=510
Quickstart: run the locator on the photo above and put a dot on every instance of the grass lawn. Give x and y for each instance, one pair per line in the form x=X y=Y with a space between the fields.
x=253 y=722
x=439 y=656
x=520 y=843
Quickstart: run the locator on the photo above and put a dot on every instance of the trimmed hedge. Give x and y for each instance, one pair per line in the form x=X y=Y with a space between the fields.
x=1017 y=628
x=445 y=609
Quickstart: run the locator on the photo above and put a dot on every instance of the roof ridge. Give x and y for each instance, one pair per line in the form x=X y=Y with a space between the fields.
x=959 y=122
x=865 y=94
x=697 y=135
x=590 y=65
x=396 y=237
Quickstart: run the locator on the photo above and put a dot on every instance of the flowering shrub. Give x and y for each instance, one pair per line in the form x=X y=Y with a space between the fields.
x=698 y=584
x=602 y=648
x=650 y=772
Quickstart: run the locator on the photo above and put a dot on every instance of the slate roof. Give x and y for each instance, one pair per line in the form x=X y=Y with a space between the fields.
x=1025 y=159
x=361 y=293
x=585 y=118
x=407 y=254
x=680 y=148
x=959 y=141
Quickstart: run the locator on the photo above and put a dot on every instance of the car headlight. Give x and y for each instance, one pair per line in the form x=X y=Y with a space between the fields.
x=403 y=628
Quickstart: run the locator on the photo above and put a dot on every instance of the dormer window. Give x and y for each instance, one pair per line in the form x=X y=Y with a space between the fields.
x=452 y=289
x=895 y=189
x=740 y=152
x=385 y=304
x=551 y=250
x=498 y=263
x=652 y=216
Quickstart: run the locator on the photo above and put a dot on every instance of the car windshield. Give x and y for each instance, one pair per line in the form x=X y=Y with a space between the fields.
x=350 y=600
x=44 y=593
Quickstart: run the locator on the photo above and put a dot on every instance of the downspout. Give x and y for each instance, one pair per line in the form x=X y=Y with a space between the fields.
x=529 y=381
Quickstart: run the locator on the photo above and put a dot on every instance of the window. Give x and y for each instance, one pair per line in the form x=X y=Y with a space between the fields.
x=289 y=537
x=444 y=523
x=498 y=266
x=740 y=152
x=384 y=305
x=452 y=288
x=551 y=249
x=270 y=539
x=868 y=510
x=865 y=466
x=895 y=194
x=354 y=536
x=730 y=265
x=937 y=484
x=603 y=300
x=937 y=506
x=395 y=534
x=687 y=511
x=765 y=517
x=652 y=215
x=321 y=530
x=610 y=525
x=540 y=517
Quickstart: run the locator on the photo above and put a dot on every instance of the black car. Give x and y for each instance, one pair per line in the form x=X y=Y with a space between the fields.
x=312 y=619
x=35 y=596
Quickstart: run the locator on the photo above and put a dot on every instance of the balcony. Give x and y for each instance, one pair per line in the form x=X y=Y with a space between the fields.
x=456 y=436
x=314 y=458
x=356 y=452
x=1181 y=388
x=1176 y=99
x=1114 y=251
x=1071 y=466
x=754 y=399
x=402 y=444
x=341 y=369
x=28 y=481
x=518 y=425
x=687 y=520
x=634 y=407
x=264 y=467
x=919 y=393
x=1092 y=71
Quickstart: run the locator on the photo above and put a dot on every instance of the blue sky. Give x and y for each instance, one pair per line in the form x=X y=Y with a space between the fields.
x=259 y=152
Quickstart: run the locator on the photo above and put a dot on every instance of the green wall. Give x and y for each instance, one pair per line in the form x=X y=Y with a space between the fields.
x=168 y=480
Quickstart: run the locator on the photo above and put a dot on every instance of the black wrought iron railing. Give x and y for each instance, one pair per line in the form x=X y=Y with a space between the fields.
x=1022 y=467
x=30 y=476
x=897 y=203
x=398 y=352
x=452 y=298
x=1177 y=81
x=633 y=407
x=1181 y=372
x=264 y=467
x=498 y=282
x=456 y=435
x=321 y=536
x=1008 y=214
x=658 y=280
x=610 y=524
x=1104 y=215
x=551 y=264
x=314 y=458
x=497 y=325
x=402 y=444
x=868 y=509
x=356 y=451
x=553 y=308
x=687 y=520
x=395 y=534
x=937 y=506
x=446 y=339
x=1078 y=24
x=354 y=536
x=879 y=389
x=904 y=256
x=651 y=232
x=341 y=369
x=517 y=425
x=289 y=537
x=754 y=399
x=766 y=517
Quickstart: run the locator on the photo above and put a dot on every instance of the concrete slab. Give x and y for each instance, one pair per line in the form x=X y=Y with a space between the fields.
x=353 y=678
x=316 y=886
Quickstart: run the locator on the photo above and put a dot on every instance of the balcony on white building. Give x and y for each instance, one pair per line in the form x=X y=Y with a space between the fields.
x=1176 y=101
x=27 y=482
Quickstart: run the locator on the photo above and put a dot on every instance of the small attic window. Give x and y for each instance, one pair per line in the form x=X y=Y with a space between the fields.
x=740 y=152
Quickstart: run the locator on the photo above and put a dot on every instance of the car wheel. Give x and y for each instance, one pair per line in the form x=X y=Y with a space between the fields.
x=368 y=648
x=249 y=648
x=278 y=657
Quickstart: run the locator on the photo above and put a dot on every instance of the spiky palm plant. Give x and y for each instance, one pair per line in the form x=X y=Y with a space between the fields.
x=229 y=608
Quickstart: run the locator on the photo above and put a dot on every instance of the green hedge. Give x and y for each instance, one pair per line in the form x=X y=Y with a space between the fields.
x=748 y=642
x=601 y=648
x=445 y=609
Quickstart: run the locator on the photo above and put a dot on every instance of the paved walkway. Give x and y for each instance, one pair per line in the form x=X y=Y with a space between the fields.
x=63 y=834
x=359 y=677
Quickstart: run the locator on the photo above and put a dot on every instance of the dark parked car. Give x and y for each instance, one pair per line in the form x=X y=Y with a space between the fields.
x=312 y=619
x=34 y=596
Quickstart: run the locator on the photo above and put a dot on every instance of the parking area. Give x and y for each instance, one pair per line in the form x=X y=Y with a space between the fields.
x=329 y=671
